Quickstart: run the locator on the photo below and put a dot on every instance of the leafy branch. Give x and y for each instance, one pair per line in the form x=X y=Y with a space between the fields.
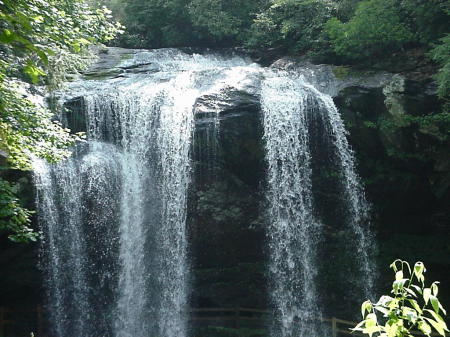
x=412 y=306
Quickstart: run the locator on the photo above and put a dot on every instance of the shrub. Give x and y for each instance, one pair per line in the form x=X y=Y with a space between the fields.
x=441 y=54
x=295 y=25
x=375 y=29
x=413 y=306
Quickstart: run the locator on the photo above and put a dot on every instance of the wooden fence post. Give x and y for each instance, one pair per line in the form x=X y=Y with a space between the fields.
x=39 y=321
x=236 y=318
x=333 y=327
x=2 y=322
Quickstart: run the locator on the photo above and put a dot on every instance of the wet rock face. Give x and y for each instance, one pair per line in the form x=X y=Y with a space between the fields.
x=332 y=79
x=400 y=159
x=225 y=220
x=74 y=116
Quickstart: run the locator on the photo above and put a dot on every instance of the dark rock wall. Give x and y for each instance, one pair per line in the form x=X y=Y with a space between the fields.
x=405 y=166
x=225 y=214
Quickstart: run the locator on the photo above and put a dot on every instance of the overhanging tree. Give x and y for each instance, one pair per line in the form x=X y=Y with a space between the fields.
x=40 y=42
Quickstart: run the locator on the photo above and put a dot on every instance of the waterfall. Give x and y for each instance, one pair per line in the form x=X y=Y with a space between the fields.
x=75 y=198
x=294 y=231
x=135 y=171
x=115 y=254
x=357 y=205
x=294 y=112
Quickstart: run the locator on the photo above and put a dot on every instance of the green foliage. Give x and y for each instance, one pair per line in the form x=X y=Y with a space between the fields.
x=40 y=42
x=412 y=306
x=37 y=35
x=156 y=23
x=441 y=54
x=26 y=129
x=14 y=218
x=345 y=9
x=223 y=19
x=292 y=24
x=175 y=23
x=210 y=16
x=437 y=124
x=375 y=29
x=428 y=20
x=329 y=31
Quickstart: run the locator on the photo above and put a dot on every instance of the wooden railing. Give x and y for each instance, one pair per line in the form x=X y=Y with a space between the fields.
x=336 y=330
x=235 y=315
x=4 y=320
x=337 y=326
x=213 y=316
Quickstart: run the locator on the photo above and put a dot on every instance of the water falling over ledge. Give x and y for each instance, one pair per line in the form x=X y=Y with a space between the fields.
x=292 y=109
x=115 y=253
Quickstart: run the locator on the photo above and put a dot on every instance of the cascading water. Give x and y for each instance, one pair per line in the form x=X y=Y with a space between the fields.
x=357 y=206
x=69 y=195
x=135 y=171
x=114 y=216
x=293 y=108
x=293 y=233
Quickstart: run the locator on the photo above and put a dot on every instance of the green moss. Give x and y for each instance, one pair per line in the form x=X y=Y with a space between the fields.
x=341 y=72
x=345 y=72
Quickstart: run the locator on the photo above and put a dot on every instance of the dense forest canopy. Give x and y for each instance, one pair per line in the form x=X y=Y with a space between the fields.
x=43 y=41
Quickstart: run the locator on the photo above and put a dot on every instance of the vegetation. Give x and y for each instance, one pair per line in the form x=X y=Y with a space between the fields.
x=375 y=29
x=412 y=306
x=41 y=41
x=13 y=217
x=223 y=21
x=296 y=26
x=441 y=54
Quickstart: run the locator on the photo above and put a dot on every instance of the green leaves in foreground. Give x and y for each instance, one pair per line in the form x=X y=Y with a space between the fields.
x=13 y=217
x=41 y=41
x=412 y=306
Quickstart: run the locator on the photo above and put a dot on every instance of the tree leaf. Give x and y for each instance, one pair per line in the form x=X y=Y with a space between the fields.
x=33 y=71
x=434 y=303
x=426 y=294
x=417 y=288
x=382 y=309
x=358 y=327
x=435 y=288
x=419 y=269
x=437 y=317
x=415 y=305
x=436 y=325
x=398 y=285
x=393 y=265
x=371 y=330
x=409 y=291
x=424 y=327
x=366 y=306
x=409 y=314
